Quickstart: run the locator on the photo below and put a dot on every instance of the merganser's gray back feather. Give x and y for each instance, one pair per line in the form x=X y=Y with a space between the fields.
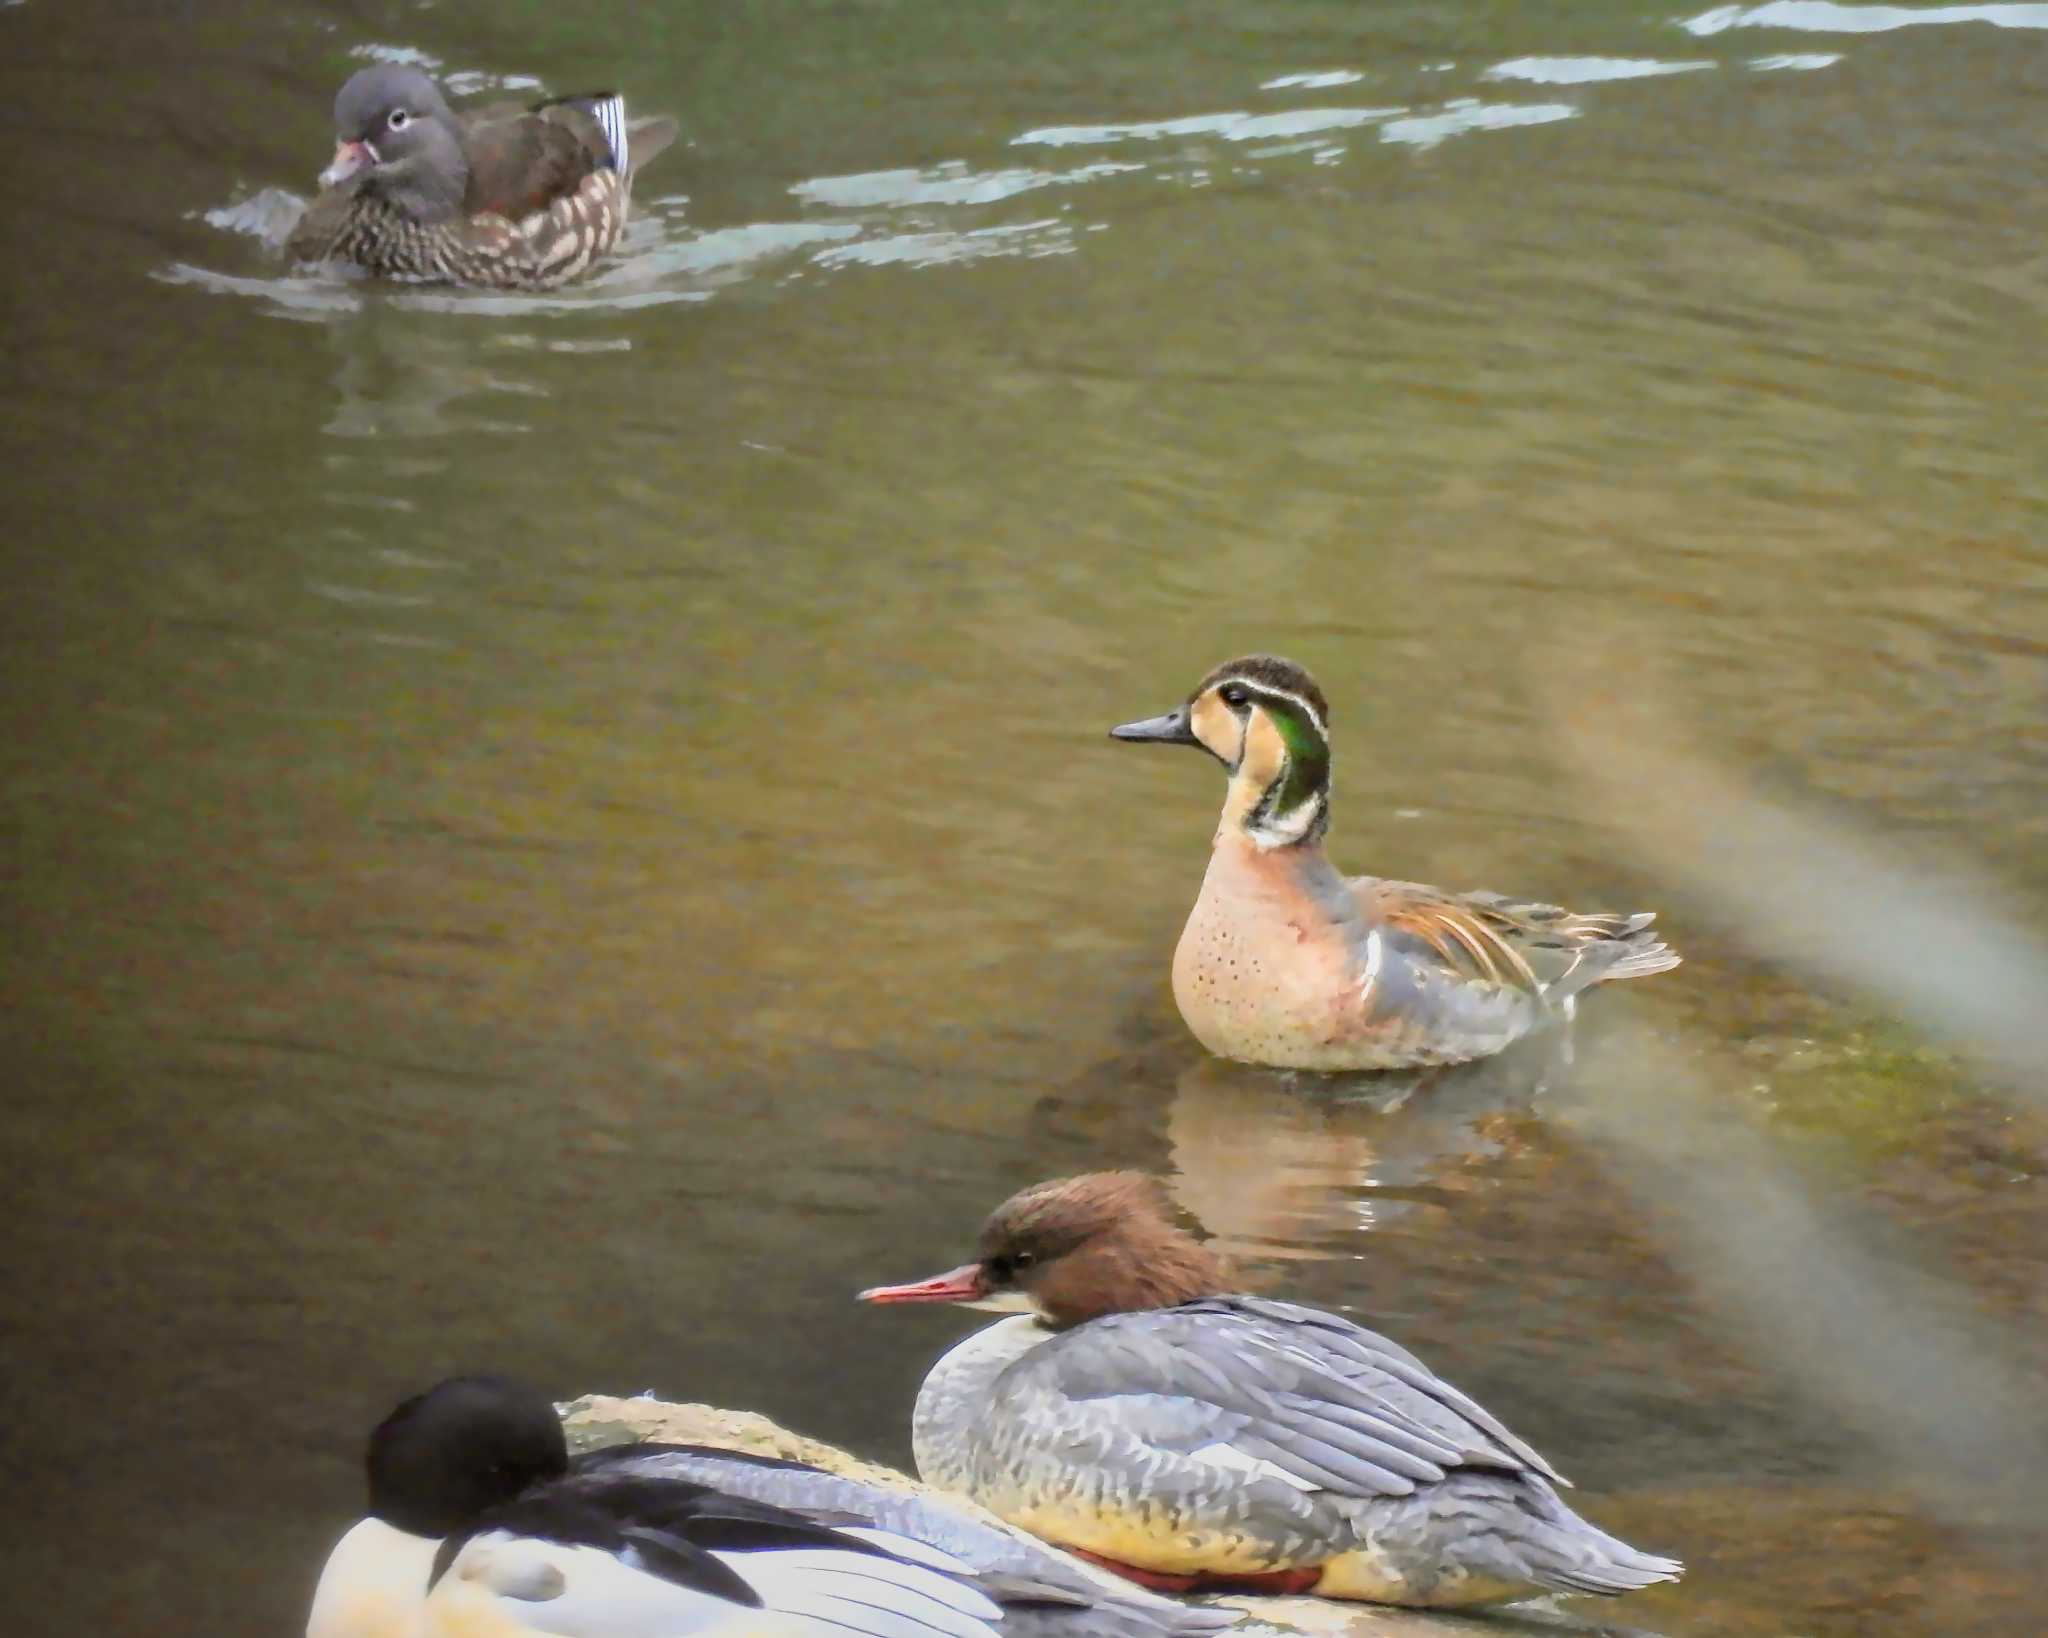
x=1266 y=1429
x=1321 y=1398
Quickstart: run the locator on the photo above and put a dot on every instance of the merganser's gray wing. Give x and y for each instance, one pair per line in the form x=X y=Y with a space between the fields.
x=830 y=1497
x=1279 y=1390
x=1044 y=1594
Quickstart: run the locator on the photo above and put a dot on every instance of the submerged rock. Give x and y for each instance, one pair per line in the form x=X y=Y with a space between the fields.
x=597 y=1420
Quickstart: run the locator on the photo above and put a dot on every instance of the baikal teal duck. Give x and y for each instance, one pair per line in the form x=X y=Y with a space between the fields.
x=1287 y=963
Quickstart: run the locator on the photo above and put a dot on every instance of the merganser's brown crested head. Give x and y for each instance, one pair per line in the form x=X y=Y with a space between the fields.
x=1076 y=1249
x=1265 y=720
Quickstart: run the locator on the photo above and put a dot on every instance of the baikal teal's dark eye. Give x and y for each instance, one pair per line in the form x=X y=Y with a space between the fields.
x=1234 y=696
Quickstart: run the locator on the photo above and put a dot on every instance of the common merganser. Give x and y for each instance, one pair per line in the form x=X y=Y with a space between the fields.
x=480 y=1525
x=1148 y=1418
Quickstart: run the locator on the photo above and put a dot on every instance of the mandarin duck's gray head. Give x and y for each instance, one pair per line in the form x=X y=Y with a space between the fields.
x=393 y=129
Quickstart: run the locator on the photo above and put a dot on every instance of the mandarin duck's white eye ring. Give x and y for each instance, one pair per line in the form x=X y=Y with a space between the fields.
x=398 y=119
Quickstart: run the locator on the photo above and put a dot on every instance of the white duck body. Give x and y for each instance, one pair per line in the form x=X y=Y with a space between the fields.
x=372 y=1584
x=502 y=1582
x=1087 y=1606
x=481 y=1526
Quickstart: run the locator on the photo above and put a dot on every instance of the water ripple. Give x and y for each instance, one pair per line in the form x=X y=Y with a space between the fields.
x=952 y=183
x=1586 y=70
x=1427 y=130
x=461 y=82
x=1312 y=82
x=1237 y=125
x=1827 y=17
x=936 y=249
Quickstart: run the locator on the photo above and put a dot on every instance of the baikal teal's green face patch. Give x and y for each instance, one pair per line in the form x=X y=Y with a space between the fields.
x=1308 y=753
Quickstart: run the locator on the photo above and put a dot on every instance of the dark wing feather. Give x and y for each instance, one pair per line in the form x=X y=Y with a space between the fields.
x=611 y=1455
x=1046 y=1594
x=1433 y=1399
x=686 y=1563
x=707 y=1517
x=523 y=159
x=671 y=1526
x=647 y=139
x=559 y=1516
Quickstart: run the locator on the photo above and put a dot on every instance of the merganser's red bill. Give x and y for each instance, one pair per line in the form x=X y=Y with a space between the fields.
x=964 y=1284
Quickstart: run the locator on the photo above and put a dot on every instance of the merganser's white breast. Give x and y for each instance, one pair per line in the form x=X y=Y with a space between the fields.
x=956 y=1395
x=372 y=1584
x=502 y=1583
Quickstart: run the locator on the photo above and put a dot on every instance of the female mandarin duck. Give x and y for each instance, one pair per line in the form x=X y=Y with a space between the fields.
x=1187 y=1437
x=512 y=196
x=1285 y=962
x=481 y=1525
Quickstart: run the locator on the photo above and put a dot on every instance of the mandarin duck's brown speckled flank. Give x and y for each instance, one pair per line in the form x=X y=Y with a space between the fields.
x=508 y=197
x=1285 y=962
